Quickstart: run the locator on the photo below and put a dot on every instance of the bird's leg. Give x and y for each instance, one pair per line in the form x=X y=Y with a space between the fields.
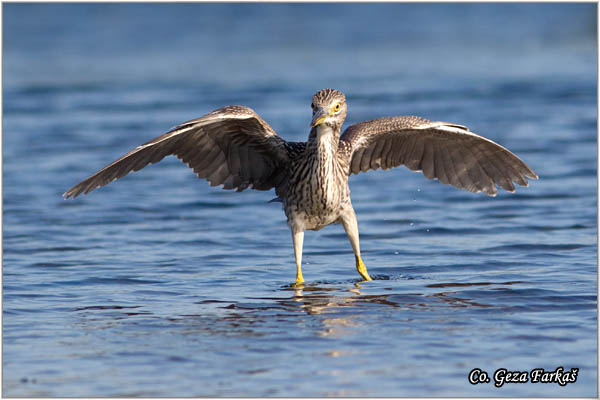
x=351 y=228
x=298 y=238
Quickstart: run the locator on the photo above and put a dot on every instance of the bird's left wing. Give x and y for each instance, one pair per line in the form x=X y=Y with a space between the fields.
x=231 y=146
x=448 y=152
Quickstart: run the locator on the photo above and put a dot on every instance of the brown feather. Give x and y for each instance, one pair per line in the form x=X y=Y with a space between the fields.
x=204 y=144
x=448 y=152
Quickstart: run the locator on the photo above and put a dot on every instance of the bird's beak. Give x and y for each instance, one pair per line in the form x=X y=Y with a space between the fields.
x=319 y=118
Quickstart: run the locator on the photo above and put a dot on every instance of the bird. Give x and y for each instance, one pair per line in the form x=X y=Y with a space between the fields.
x=235 y=148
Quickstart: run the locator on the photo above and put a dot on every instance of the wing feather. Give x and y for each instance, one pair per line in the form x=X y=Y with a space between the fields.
x=451 y=172
x=219 y=173
x=387 y=158
x=492 y=170
x=231 y=146
x=377 y=154
x=234 y=160
x=203 y=160
x=413 y=160
x=428 y=162
x=444 y=151
x=365 y=160
x=440 y=166
x=245 y=174
x=395 y=156
x=478 y=174
x=356 y=160
x=474 y=175
x=504 y=180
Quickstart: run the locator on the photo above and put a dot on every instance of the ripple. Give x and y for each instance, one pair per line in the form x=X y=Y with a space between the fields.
x=110 y=307
x=107 y=281
x=536 y=247
x=57 y=249
x=468 y=284
x=206 y=204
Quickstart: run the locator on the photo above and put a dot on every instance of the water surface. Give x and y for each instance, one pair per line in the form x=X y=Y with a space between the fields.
x=159 y=285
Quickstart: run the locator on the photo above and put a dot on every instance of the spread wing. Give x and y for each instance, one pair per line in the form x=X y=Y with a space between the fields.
x=231 y=146
x=448 y=152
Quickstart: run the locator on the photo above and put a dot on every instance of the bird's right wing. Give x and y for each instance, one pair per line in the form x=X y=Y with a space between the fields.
x=231 y=146
x=448 y=152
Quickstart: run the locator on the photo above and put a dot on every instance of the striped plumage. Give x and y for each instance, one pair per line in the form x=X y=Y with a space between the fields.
x=235 y=148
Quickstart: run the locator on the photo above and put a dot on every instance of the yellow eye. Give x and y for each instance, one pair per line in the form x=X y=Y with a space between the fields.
x=313 y=106
x=337 y=107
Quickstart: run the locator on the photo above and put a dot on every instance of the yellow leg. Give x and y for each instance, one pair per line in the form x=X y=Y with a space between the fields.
x=351 y=228
x=298 y=238
x=362 y=270
x=299 y=277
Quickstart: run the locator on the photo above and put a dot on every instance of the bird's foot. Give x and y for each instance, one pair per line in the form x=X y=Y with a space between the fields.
x=362 y=269
x=299 y=281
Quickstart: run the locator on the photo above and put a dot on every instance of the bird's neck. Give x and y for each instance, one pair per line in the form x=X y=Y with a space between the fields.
x=324 y=139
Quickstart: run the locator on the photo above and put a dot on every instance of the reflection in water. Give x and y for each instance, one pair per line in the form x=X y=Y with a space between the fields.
x=333 y=310
x=317 y=300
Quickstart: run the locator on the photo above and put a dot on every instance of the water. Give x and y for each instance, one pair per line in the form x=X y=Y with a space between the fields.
x=159 y=285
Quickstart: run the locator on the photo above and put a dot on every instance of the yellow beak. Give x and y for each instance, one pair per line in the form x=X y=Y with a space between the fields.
x=318 y=121
x=319 y=118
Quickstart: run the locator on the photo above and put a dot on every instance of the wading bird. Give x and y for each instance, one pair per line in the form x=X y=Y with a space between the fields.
x=235 y=148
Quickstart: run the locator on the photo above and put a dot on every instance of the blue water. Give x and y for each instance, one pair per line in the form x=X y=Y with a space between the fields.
x=159 y=285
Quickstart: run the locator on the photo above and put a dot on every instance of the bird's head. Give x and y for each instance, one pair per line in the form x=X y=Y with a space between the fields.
x=329 y=109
